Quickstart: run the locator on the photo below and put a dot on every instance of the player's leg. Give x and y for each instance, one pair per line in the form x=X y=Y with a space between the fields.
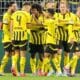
x=23 y=49
x=66 y=52
x=33 y=50
x=72 y=63
x=22 y=62
x=66 y=56
x=15 y=57
x=57 y=64
x=7 y=49
x=57 y=59
x=75 y=59
x=46 y=61
x=40 y=62
x=40 y=59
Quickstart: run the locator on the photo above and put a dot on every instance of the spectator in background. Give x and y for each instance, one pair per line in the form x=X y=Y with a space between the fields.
x=73 y=5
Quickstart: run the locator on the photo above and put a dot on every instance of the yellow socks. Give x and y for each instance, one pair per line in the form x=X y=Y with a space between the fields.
x=46 y=62
x=39 y=66
x=50 y=67
x=14 y=61
x=33 y=65
x=66 y=59
x=3 y=63
x=22 y=64
x=56 y=64
x=59 y=58
x=73 y=65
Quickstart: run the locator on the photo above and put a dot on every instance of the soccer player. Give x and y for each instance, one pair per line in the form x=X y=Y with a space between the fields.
x=19 y=37
x=51 y=48
x=64 y=19
x=73 y=62
x=6 y=39
x=36 y=37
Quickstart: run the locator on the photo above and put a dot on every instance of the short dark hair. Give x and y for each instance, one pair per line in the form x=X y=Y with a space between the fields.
x=26 y=3
x=38 y=7
x=9 y=4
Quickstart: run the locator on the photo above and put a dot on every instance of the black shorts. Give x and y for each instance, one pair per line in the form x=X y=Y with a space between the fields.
x=64 y=45
x=20 y=45
x=36 y=48
x=8 y=46
x=50 y=48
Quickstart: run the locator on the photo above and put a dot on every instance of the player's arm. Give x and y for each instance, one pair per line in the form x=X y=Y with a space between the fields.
x=71 y=34
x=36 y=25
x=33 y=26
x=11 y=25
x=5 y=22
x=77 y=22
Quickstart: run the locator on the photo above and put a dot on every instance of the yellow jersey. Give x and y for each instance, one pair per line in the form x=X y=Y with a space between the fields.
x=65 y=24
x=50 y=34
x=19 y=22
x=37 y=36
x=6 y=27
x=76 y=29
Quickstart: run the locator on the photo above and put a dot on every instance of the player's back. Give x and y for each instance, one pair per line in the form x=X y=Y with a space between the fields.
x=19 y=21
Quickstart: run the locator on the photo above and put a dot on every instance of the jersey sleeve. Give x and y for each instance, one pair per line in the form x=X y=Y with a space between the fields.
x=5 y=19
x=5 y=22
x=70 y=28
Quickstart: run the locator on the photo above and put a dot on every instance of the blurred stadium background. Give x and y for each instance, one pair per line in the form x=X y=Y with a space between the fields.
x=72 y=4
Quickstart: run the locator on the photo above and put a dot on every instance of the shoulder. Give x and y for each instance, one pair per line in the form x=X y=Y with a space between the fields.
x=6 y=14
x=72 y=14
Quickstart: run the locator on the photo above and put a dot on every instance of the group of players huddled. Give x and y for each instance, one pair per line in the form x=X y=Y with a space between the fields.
x=46 y=32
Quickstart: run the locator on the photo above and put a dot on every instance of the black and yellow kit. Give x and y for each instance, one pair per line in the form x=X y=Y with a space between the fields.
x=51 y=42
x=6 y=39
x=76 y=31
x=64 y=28
x=19 y=29
x=37 y=37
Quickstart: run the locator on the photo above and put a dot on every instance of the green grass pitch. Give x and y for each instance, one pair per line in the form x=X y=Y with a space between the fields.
x=30 y=77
